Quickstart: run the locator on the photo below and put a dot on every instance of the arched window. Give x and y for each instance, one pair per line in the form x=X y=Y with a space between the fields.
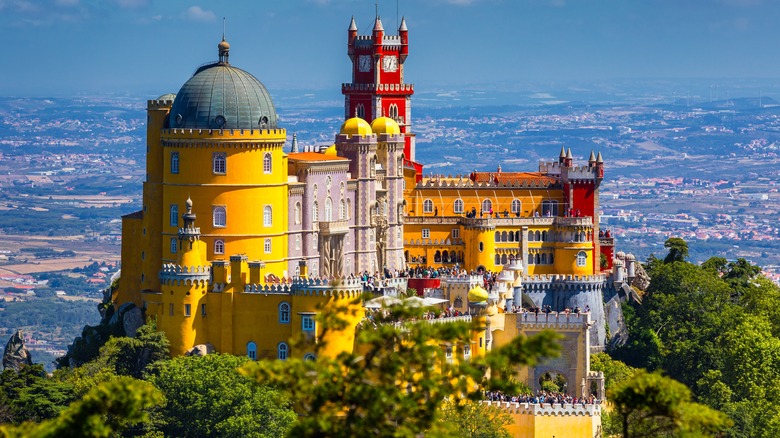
x=487 y=206
x=219 y=216
x=445 y=256
x=267 y=165
x=511 y=236
x=503 y=236
x=549 y=208
x=219 y=163
x=297 y=212
x=174 y=216
x=282 y=351
x=516 y=206
x=497 y=237
x=583 y=237
x=342 y=210
x=530 y=259
x=174 y=245
x=393 y=111
x=582 y=258
x=297 y=243
x=481 y=246
x=315 y=212
x=372 y=167
x=310 y=357
x=458 y=207
x=360 y=110
x=328 y=210
x=349 y=209
x=267 y=246
x=284 y=313
x=219 y=246
x=427 y=206
x=503 y=259
x=268 y=217
x=251 y=350
x=518 y=238
x=544 y=258
x=530 y=236
x=437 y=257
x=538 y=259
x=174 y=162
x=538 y=236
x=498 y=259
x=544 y=236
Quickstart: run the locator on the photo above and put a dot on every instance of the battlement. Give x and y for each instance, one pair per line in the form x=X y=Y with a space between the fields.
x=352 y=287
x=278 y=134
x=461 y=181
x=435 y=242
x=159 y=104
x=371 y=88
x=172 y=273
x=553 y=320
x=547 y=409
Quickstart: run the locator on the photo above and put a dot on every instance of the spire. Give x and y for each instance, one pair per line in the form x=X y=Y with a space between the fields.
x=294 y=148
x=592 y=158
x=353 y=25
x=563 y=152
x=378 y=25
x=402 y=27
x=569 y=155
x=599 y=160
x=189 y=216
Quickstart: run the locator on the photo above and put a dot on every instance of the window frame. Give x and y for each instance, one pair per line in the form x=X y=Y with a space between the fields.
x=219 y=212
x=282 y=351
x=219 y=246
x=268 y=216
x=582 y=259
x=267 y=163
x=174 y=245
x=487 y=202
x=458 y=206
x=267 y=247
x=173 y=215
x=284 y=312
x=425 y=233
x=516 y=206
x=428 y=206
x=251 y=350
x=307 y=323
x=219 y=163
x=174 y=163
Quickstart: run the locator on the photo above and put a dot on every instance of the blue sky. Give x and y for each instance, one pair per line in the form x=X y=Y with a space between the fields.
x=149 y=47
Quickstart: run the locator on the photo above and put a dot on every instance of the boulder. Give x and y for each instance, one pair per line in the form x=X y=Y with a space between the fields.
x=200 y=350
x=16 y=355
x=132 y=320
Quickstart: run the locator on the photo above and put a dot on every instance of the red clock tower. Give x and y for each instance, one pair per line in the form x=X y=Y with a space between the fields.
x=377 y=88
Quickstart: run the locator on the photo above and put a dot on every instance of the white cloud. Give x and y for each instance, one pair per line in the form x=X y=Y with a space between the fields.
x=196 y=13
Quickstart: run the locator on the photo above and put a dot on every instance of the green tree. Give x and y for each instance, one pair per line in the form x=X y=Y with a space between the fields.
x=131 y=356
x=103 y=412
x=206 y=396
x=395 y=380
x=474 y=420
x=615 y=371
x=678 y=250
x=650 y=405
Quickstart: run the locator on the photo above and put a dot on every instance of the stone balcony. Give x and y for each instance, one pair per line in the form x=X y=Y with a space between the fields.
x=333 y=227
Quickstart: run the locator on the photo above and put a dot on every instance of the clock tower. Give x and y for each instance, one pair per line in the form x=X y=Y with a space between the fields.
x=377 y=88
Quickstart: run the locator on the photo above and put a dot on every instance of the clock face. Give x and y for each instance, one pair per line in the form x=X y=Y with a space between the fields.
x=364 y=63
x=390 y=63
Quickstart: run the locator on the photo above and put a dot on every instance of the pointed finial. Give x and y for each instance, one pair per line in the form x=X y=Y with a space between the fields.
x=294 y=148
x=352 y=24
x=224 y=21
x=592 y=158
x=223 y=46
x=569 y=155
x=402 y=27
x=188 y=203
x=599 y=159
x=563 y=152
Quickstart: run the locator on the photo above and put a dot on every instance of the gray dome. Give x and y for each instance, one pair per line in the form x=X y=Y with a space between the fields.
x=220 y=96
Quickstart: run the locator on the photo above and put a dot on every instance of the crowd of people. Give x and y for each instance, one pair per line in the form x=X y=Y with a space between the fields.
x=541 y=398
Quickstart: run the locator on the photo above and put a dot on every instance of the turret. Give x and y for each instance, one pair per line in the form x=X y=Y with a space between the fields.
x=592 y=159
x=599 y=166
x=562 y=156
x=294 y=147
x=568 y=161
x=379 y=32
x=351 y=35
x=403 y=32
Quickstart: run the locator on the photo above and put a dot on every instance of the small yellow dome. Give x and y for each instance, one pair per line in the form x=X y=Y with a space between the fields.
x=478 y=294
x=385 y=125
x=356 y=126
x=331 y=151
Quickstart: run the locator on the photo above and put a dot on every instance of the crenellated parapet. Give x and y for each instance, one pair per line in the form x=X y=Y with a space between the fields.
x=158 y=104
x=464 y=182
x=547 y=409
x=543 y=283
x=554 y=321
x=173 y=274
